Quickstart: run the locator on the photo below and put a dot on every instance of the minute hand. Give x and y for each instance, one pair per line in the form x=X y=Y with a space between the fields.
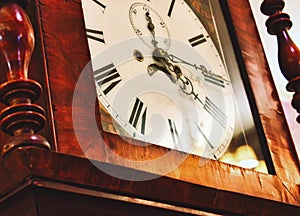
x=207 y=74
x=187 y=87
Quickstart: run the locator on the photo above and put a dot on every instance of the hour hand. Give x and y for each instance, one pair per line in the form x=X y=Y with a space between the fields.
x=150 y=25
x=205 y=72
x=152 y=68
x=184 y=83
x=151 y=28
x=160 y=56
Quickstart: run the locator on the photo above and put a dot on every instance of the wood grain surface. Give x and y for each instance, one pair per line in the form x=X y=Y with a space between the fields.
x=195 y=182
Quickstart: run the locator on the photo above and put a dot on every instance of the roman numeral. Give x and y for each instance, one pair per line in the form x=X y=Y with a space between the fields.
x=214 y=80
x=212 y=77
x=215 y=112
x=204 y=136
x=199 y=39
x=95 y=35
x=138 y=115
x=171 y=8
x=99 y=4
x=107 y=75
x=173 y=131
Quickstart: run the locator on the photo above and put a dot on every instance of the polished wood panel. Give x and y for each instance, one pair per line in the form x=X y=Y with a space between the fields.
x=196 y=184
x=57 y=176
x=37 y=72
x=21 y=119
x=23 y=200
x=67 y=54
x=264 y=93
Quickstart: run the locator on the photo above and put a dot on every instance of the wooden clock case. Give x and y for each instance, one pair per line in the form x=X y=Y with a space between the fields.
x=63 y=181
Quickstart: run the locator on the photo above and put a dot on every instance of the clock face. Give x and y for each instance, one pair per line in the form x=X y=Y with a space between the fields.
x=159 y=74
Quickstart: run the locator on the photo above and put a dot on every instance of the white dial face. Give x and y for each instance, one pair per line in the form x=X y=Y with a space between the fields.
x=159 y=74
x=141 y=17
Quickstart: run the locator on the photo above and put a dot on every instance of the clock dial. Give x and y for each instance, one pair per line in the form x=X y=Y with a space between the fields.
x=146 y=21
x=162 y=81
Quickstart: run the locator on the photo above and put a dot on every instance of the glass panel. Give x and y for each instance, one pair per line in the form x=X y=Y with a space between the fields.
x=166 y=74
x=245 y=149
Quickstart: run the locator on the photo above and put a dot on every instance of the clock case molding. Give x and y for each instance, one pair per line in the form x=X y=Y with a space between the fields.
x=35 y=177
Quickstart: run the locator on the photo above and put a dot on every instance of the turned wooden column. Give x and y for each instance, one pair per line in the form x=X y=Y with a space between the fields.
x=21 y=119
x=278 y=24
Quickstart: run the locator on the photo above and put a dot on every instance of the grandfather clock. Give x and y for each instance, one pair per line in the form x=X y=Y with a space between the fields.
x=58 y=159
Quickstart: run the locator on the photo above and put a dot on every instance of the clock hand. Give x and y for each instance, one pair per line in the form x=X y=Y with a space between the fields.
x=152 y=68
x=173 y=72
x=187 y=87
x=151 y=28
x=160 y=56
x=202 y=68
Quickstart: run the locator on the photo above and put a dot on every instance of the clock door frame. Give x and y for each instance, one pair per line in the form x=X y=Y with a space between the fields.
x=64 y=46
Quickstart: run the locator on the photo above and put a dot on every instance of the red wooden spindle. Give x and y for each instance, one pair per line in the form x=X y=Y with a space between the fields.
x=21 y=119
x=16 y=42
x=278 y=24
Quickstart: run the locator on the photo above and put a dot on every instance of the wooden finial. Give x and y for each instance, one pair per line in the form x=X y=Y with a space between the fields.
x=21 y=119
x=278 y=24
